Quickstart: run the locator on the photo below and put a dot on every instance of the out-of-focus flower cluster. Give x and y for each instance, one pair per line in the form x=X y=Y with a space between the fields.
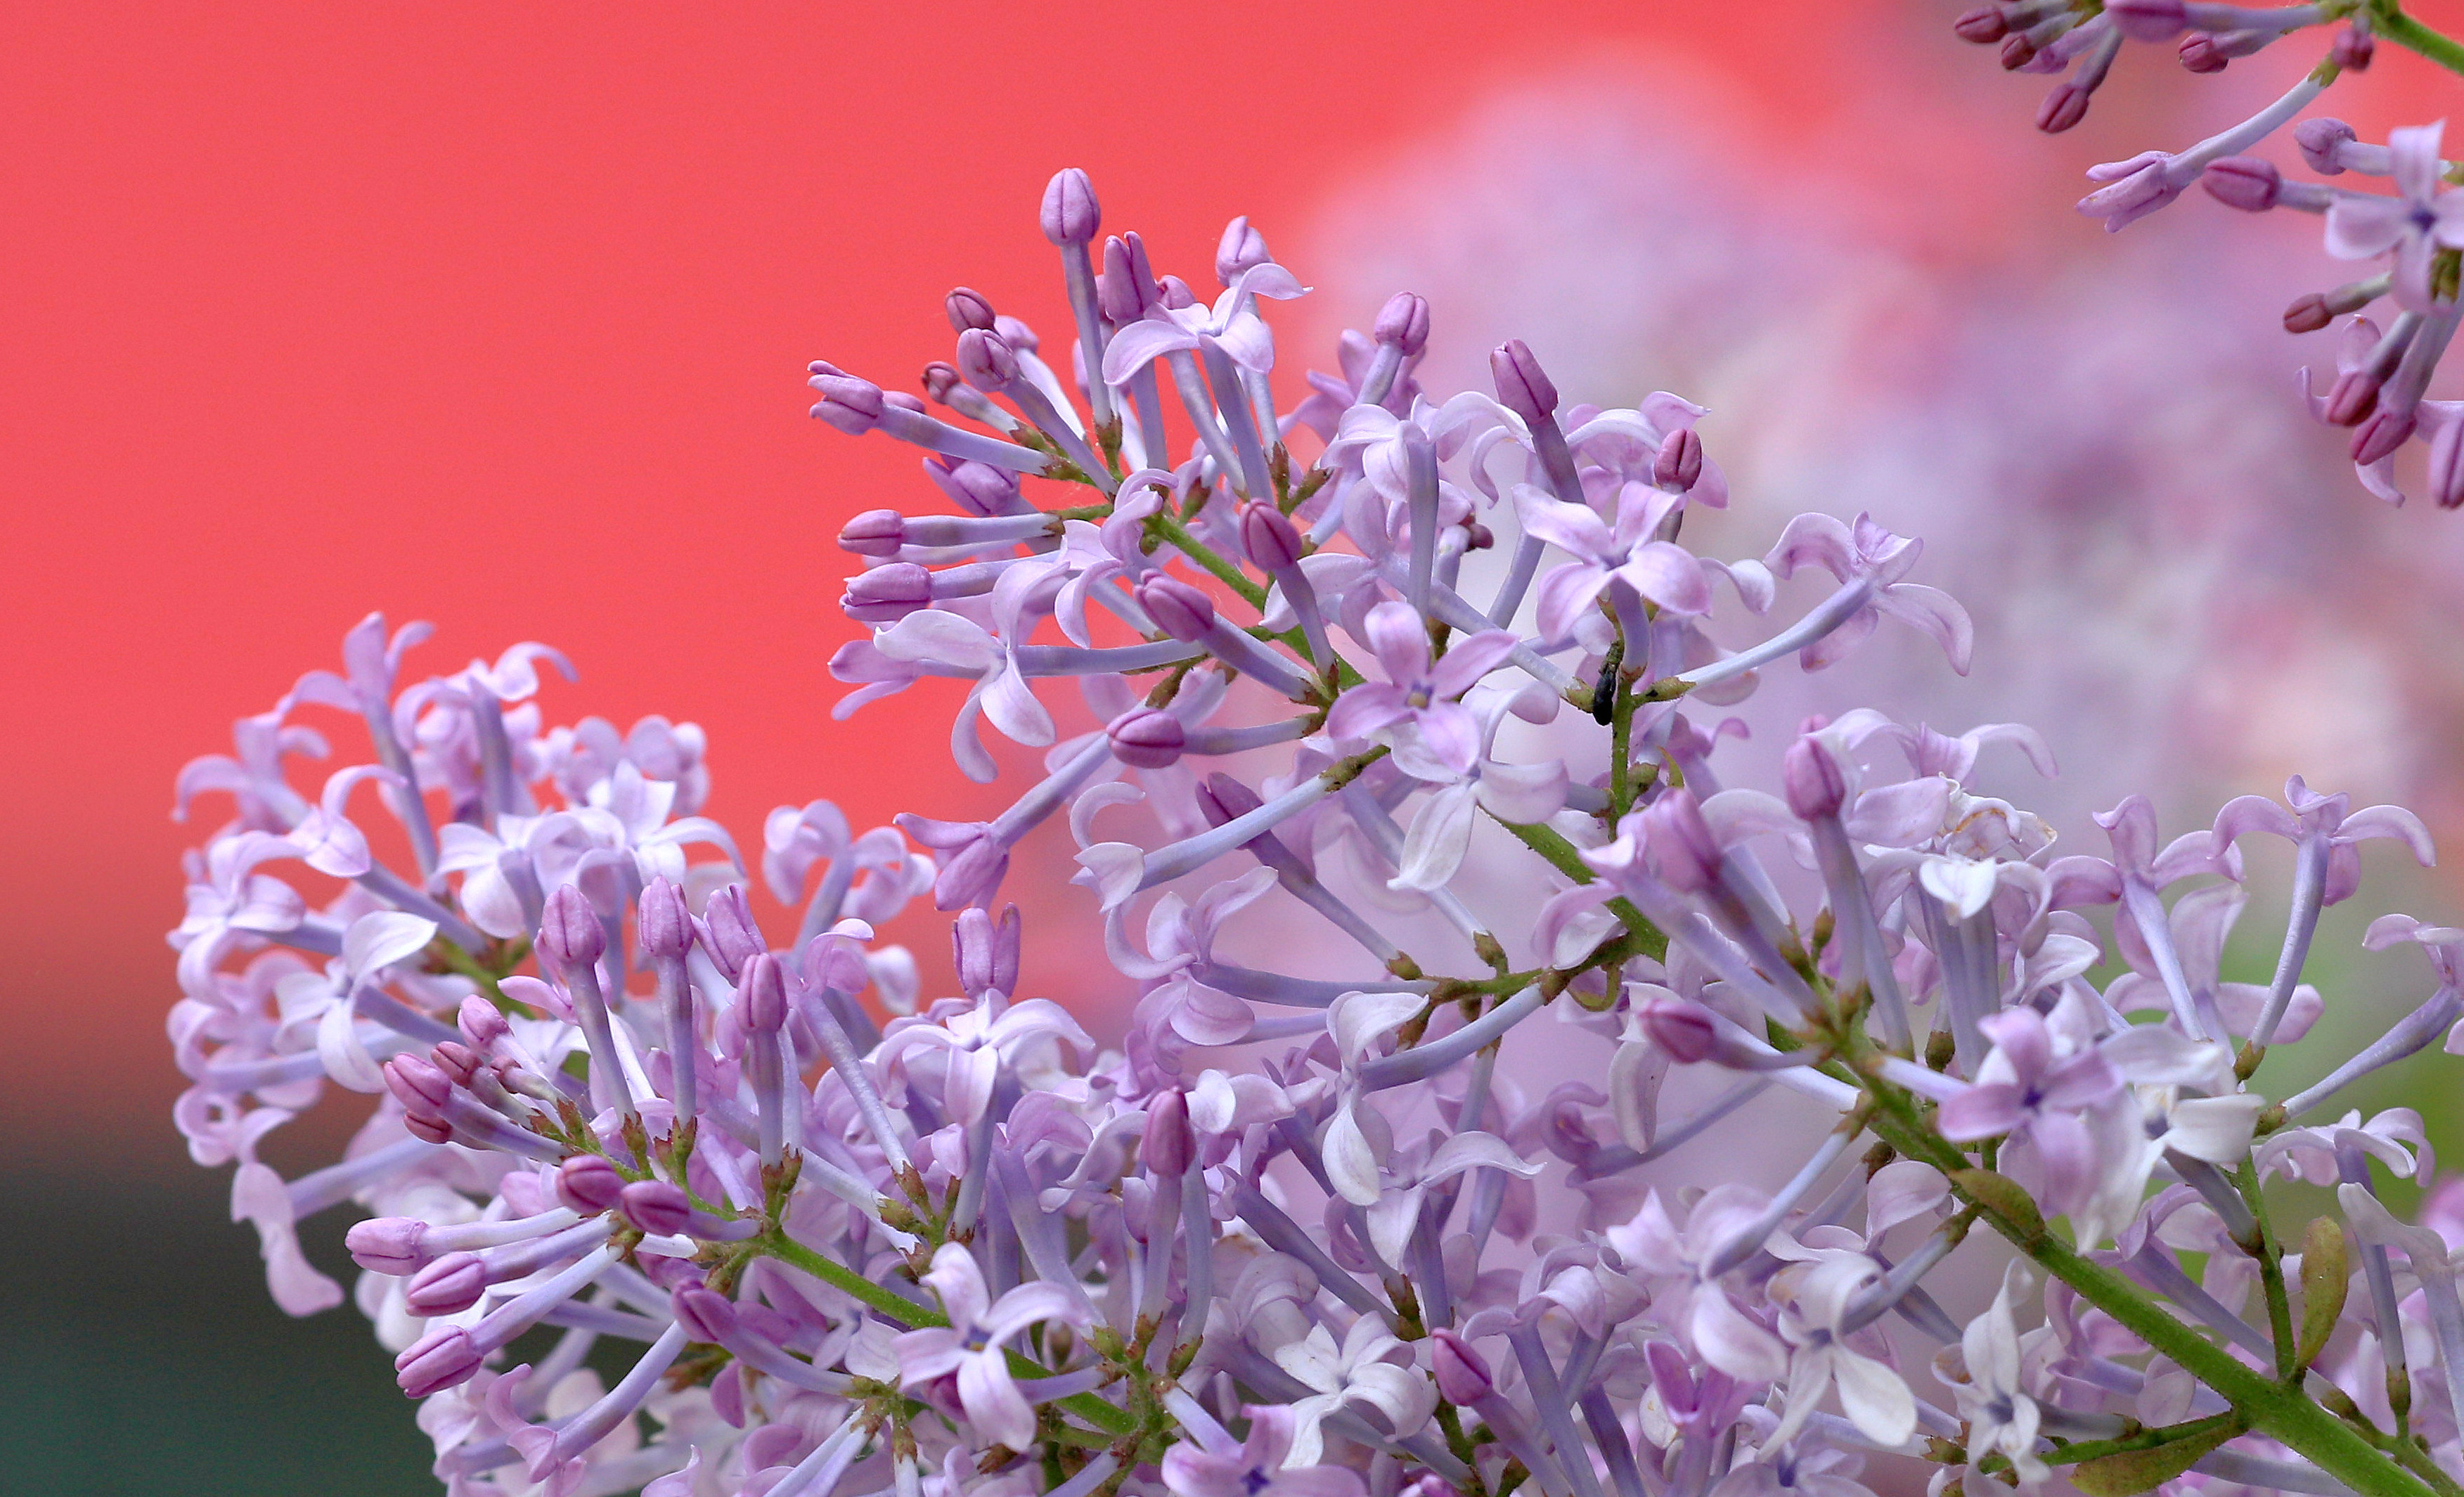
x=2416 y=231
x=1302 y=1231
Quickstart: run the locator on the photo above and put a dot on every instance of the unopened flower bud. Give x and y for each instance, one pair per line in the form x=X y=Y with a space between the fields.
x=1070 y=213
x=1147 y=737
x=940 y=382
x=2148 y=20
x=763 y=994
x=2308 y=314
x=2249 y=183
x=847 y=403
x=1461 y=1372
x=437 y=1361
x=1241 y=247
x=2064 y=108
x=986 y=361
x=664 y=928
x=459 y=1063
x=728 y=932
x=655 y=1206
x=447 y=1286
x=1126 y=287
x=387 y=1244
x=968 y=310
x=972 y=951
x=1221 y=799
x=1178 y=609
x=2382 y=433
x=2354 y=49
x=1679 y=462
x=2017 y=52
x=418 y=1084
x=2320 y=141
x=2200 y=53
x=482 y=1022
x=1169 y=1145
x=1520 y=386
x=1684 y=1030
x=1177 y=294
x=2352 y=398
x=588 y=1183
x=570 y=938
x=1269 y=536
x=874 y=533
x=1680 y=846
x=2447 y=466
x=704 y=1313
x=1404 y=323
x=1983 y=26
x=1813 y=780
x=977 y=488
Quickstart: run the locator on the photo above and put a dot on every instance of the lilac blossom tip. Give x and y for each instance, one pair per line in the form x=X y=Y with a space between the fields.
x=986 y=361
x=1178 y=609
x=656 y=1206
x=588 y=1183
x=763 y=994
x=727 y=930
x=570 y=937
x=1983 y=24
x=665 y=925
x=1147 y=737
x=941 y=380
x=1403 y=323
x=847 y=403
x=482 y=1022
x=1462 y=1373
x=2308 y=314
x=706 y=1315
x=968 y=311
x=2352 y=398
x=2200 y=53
x=2322 y=141
x=1273 y=542
x=446 y=1286
x=1070 y=215
x=2250 y=183
x=387 y=1244
x=1522 y=387
x=1681 y=852
x=2065 y=106
x=1168 y=1146
x=1684 y=1029
x=2354 y=50
x=442 y=1358
x=1678 y=463
x=2017 y=52
x=1812 y=780
x=1241 y=248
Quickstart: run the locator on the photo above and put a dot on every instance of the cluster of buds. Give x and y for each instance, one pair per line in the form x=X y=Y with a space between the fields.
x=2417 y=230
x=1390 y=1223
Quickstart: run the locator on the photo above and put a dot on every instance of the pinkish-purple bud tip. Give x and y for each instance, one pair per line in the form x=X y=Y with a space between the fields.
x=1404 y=323
x=447 y=1286
x=2320 y=141
x=418 y=1084
x=1679 y=462
x=939 y=380
x=704 y=1313
x=1463 y=1373
x=1983 y=26
x=655 y=1206
x=570 y=938
x=1812 y=779
x=1127 y=286
x=437 y=1361
x=1683 y=1030
x=588 y=1183
x=2248 y=183
x=664 y=927
x=1681 y=850
x=387 y=1244
x=986 y=361
x=2352 y=398
x=2447 y=466
x=2148 y=20
x=2380 y=434
x=2200 y=53
x=1178 y=609
x=1177 y=294
x=1147 y=737
x=2354 y=50
x=1520 y=386
x=977 y=488
x=1241 y=247
x=2017 y=52
x=2062 y=108
x=763 y=994
x=847 y=403
x=874 y=533
x=1221 y=799
x=1269 y=536
x=967 y=310
x=1070 y=213
x=482 y=1022
x=2308 y=314
x=457 y=1060
x=888 y=593
x=1169 y=1146
x=972 y=941
x=1009 y=941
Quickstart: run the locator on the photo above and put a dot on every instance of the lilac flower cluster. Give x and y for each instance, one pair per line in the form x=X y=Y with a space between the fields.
x=1302 y=1233
x=2417 y=230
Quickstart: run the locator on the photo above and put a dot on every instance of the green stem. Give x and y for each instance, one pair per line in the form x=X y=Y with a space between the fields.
x=2404 y=31
x=1621 y=752
x=2080 y=1450
x=1545 y=840
x=1206 y=556
x=2271 y=1274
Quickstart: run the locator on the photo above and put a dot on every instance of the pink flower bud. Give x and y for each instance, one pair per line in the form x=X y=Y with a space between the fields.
x=2148 y=20
x=2017 y=52
x=972 y=941
x=968 y=310
x=1169 y=1145
x=664 y=928
x=1177 y=294
x=1684 y=1029
x=2064 y=108
x=763 y=993
x=1812 y=780
x=704 y=1313
x=1679 y=845
x=1404 y=323
x=459 y=1063
x=1270 y=536
x=2308 y=314
x=1128 y=287
x=437 y=1361
x=986 y=361
x=977 y=488
x=2320 y=141
x=447 y=1286
x=428 y=1127
x=2447 y=466
x=1147 y=737
x=1522 y=388
x=2382 y=433
x=1983 y=26
x=887 y=593
x=482 y=1022
x=2354 y=49
x=1221 y=799
x=387 y=1244
x=728 y=932
x=1463 y=1373
x=1241 y=247
x=2352 y=398
x=847 y=403
x=941 y=380
x=1070 y=213
x=2200 y=53
x=874 y=533
x=1680 y=463
x=2249 y=183
x=655 y=1206
x=418 y=1085
x=570 y=938
x=588 y=1183
x=1178 y=609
